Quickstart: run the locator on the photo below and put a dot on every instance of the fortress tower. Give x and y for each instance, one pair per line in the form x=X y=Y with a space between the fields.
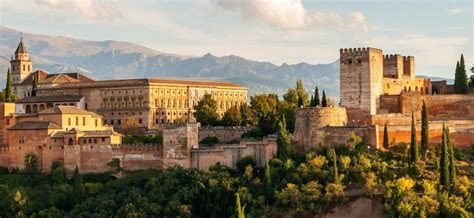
x=361 y=73
x=21 y=64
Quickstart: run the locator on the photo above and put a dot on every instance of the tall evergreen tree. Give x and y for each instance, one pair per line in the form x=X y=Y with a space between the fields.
x=283 y=140
x=385 y=136
x=324 y=102
x=301 y=92
x=8 y=87
x=34 y=86
x=444 y=162
x=460 y=77
x=316 y=97
x=311 y=103
x=239 y=209
x=333 y=156
x=77 y=188
x=300 y=102
x=414 y=156
x=424 y=127
x=268 y=174
x=452 y=158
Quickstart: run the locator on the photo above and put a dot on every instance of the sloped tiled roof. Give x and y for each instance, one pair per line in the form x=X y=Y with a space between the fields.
x=46 y=99
x=57 y=78
x=33 y=125
x=68 y=110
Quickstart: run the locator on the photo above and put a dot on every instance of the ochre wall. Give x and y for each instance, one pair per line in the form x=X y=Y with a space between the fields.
x=224 y=134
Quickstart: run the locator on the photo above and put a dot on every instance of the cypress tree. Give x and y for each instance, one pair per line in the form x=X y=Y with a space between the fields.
x=443 y=163
x=8 y=87
x=239 y=209
x=34 y=86
x=77 y=188
x=335 y=176
x=385 y=136
x=316 y=97
x=268 y=174
x=460 y=77
x=424 y=128
x=283 y=139
x=413 y=145
x=311 y=103
x=452 y=158
x=324 y=102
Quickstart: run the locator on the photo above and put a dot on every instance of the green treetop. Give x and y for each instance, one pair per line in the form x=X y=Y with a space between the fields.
x=232 y=117
x=452 y=158
x=316 y=97
x=385 y=136
x=324 y=102
x=206 y=111
x=283 y=139
x=414 y=156
x=8 y=88
x=424 y=128
x=460 y=77
x=444 y=161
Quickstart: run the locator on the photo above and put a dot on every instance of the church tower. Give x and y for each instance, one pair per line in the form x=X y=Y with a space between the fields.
x=21 y=64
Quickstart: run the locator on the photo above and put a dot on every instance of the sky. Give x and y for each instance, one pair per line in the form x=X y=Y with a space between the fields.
x=436 y=32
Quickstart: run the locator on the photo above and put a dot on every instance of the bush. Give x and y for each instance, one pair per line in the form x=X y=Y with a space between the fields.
x=210 y=140
x=244 y=162
x=143 y=139
x=254 y=133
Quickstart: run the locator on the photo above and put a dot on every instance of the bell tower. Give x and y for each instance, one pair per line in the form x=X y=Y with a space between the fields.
x=21 y=64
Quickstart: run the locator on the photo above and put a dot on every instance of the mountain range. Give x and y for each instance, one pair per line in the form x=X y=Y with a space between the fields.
x=120 y=60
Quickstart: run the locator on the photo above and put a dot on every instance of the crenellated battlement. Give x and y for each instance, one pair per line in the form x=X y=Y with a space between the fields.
x=348 y=52
x=121 y=147
x=391 y=57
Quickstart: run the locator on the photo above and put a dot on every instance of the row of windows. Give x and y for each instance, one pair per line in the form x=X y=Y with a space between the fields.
x=119 y=122
x=69 y=121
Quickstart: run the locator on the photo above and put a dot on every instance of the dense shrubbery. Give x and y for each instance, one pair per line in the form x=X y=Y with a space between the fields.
x=210 y=140
x=297 y=186
x=143 y=139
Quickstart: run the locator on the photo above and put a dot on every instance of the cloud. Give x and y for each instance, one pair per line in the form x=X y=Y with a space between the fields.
x=455 y=11
x=291 y=14
x=93 y=9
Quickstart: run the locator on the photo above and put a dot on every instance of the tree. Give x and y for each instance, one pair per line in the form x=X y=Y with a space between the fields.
x=8 y=88
x=246 y=115
x=333 y=156
x=300 y=102
x=205 y=111
x=239 y=209
x=444 y=161
x=77 y=188
x=460 y=77
x=414 y=156
x=385 y=136
x=452 y=158
x=232 y=117
x=283 y=140
x=316 y=97
x=424 y=127
x=311 y=103
x=324 y=102
x=264 y=108
x=268 y=174
x=31 y=162
x=34 y=86
x=301 y=92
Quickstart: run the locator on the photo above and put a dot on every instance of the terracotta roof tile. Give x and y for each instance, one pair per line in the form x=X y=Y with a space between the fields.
x=33 y=125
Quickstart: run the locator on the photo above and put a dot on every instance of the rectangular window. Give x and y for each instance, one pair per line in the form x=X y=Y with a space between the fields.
x=83 y=121
x=140 y=121
x=68 y=121
x=96 y=122
x=77 y=121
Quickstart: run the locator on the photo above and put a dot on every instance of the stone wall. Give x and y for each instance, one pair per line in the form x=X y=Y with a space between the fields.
x=309 y=119
x=228 y=155
x=338 y=135
x=440 y=107
x=224 y=134
x=177 y=143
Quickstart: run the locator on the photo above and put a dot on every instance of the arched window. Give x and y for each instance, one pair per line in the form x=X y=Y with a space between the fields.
x=69 y=141
x=35 y=108
x=28 y=109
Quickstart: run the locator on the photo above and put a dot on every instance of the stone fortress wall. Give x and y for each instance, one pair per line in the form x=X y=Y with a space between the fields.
x=224 y=134
x=379 y=89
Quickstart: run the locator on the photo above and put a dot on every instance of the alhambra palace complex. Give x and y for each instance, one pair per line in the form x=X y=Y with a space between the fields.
x=77 y=120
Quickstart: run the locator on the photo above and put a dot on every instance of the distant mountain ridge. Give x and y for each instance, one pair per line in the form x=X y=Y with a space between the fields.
x=119 y=60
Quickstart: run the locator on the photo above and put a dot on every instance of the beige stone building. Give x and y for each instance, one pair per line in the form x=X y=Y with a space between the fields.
x=146 y=103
